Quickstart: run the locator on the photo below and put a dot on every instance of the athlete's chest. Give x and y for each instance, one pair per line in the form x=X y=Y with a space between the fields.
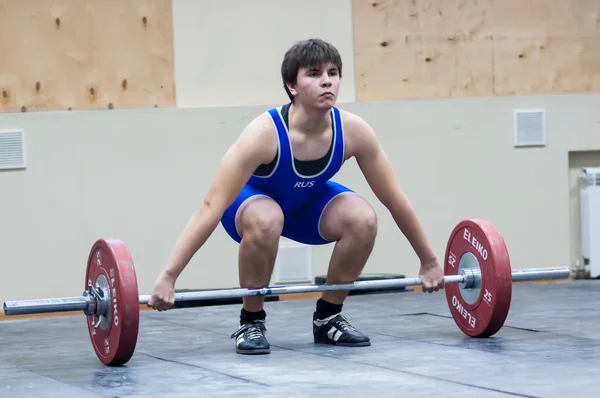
x=311 y=146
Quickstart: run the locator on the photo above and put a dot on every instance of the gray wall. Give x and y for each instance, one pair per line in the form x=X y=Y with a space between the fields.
x=139 y=174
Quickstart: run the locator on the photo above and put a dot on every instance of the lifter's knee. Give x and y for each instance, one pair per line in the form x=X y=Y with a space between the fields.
x=360 y=226
x=350 y=217
x=260 y=224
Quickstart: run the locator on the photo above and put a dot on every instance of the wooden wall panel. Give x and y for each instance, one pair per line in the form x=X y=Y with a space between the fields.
x=85 y=54
x=408 y=49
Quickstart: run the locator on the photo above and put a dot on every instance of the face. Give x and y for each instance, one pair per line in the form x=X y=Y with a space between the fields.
x=317 y=87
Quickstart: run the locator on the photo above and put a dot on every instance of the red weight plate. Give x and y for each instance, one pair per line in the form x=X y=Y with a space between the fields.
x=110 y=265
x=486 y=315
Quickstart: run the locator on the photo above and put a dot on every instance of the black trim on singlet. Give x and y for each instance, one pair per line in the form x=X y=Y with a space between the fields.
x=304 y=167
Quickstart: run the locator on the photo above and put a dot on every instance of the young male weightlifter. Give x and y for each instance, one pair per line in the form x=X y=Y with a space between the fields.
x=275 y=180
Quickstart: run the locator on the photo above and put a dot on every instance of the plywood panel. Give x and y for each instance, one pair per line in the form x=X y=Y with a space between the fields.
x=422 y=69
x=76 y=54
x=408 y=49
x=546 y=66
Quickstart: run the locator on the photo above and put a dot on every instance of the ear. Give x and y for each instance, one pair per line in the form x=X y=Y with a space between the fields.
x=292 y=88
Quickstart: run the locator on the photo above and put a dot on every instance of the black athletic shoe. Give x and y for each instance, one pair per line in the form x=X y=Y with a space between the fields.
x=336 y=330
x=250 y=338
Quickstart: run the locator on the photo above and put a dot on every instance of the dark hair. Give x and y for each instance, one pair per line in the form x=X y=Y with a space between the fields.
x=306 y=54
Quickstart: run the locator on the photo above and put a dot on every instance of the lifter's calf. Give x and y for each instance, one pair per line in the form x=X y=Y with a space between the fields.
x=352 y=222
x=259 y=224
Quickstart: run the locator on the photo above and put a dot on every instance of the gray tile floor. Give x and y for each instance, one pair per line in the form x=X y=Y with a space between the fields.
x=549 y=347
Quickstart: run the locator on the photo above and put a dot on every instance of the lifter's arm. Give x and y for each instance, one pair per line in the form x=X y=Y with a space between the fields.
x=254 y=146
x=381 y=177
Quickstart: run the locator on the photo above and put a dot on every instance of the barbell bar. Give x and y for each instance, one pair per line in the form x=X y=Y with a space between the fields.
x=477 y=274
x=83 y=303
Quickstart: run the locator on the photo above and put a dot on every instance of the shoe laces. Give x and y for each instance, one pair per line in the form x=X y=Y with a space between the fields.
x=254 y=330
x=343 y=322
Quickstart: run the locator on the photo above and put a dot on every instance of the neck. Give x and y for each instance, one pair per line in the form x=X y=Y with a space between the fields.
x=308 y=120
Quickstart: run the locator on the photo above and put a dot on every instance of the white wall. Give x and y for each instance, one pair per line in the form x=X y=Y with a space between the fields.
x=139 y=174
x=456 y=160
x=136 y=175
x=229 y=53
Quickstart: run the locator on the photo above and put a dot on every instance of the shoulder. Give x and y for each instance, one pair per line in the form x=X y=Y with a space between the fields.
x=354 y=123
x=258 y=137
x=358 y=133
x=260 y=127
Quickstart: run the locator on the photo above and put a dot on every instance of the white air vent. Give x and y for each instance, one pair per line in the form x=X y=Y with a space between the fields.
x=12 y=149
x=530 y=127
x=293 y=263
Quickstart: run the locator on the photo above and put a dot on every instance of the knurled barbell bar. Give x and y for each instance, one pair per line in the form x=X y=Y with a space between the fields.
x=478 y=279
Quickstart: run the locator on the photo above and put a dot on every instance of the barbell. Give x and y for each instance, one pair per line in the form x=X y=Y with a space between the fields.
x=477 y=274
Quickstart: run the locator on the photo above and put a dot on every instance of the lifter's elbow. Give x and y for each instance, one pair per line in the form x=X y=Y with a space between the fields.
x=212 y=208
x=207 y=203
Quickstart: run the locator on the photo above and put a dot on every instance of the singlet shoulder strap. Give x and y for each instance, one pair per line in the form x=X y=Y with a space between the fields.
x=339 y=139
x=277 y=120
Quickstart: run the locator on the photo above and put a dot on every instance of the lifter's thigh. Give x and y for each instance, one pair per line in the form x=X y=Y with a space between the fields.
x=336 y=211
